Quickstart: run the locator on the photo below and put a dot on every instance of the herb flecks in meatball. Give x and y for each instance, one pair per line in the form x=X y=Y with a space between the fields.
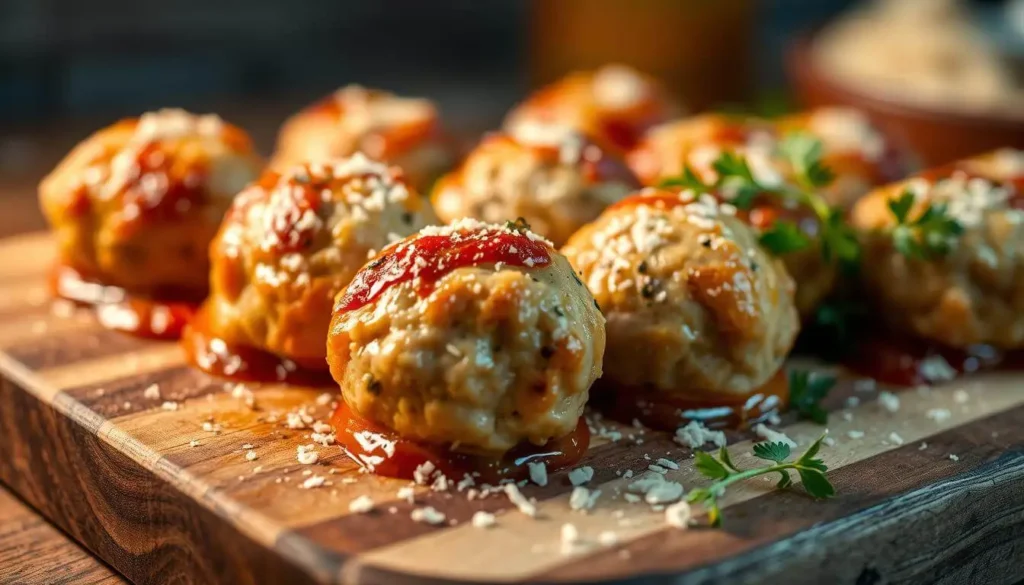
x=477 y=335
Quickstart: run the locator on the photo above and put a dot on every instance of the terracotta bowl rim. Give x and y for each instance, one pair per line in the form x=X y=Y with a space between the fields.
x=803 y=71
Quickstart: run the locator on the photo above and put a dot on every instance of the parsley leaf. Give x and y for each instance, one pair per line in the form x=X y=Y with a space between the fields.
x=777 y=451
x=784 y=237
x=687 y=180
x=931 y=234
x=806 y=391
x=811 y=471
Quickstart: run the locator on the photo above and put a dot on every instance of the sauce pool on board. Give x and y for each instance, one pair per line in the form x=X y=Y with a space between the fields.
x=717 y=411
x=215 y=356
x=386 y=453
x=163 y=316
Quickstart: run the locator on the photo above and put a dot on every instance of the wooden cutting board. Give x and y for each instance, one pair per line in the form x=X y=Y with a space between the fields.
x=137 y=480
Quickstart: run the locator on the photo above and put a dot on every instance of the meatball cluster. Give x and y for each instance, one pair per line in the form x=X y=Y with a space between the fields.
x=972 y=293
x=475 y=335
x=402 y=131
x=693 y=304
x=614 y=105
x=136 y=204
x=293 y=240
x=556 y=187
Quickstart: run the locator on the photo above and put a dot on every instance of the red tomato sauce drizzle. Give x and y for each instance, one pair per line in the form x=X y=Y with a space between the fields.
x=243 y=363
x=161 y=316
x=900 y=361
x=408 y=455
x=158 y=192
x=439 y=255
x=718 y=411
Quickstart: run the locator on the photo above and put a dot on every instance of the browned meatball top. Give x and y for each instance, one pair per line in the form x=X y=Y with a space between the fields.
x=293 y=240
x=136 y=204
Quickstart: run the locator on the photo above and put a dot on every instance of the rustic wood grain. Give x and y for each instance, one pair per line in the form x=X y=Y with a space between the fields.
x=32 y=552
x=138 y=479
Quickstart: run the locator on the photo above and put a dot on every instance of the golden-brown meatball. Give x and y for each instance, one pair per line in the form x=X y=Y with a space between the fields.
x=294 y=240
x=698 y=142
x=401 y=131
x=972 y=294
x=694 y=306
x=472 y=334
x=136 y=204
x=613 y=105
x=555 y=187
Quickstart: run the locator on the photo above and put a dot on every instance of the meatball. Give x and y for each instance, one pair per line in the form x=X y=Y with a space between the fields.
x=694 y=306
x=405 y=132
x=472 y=334
x=972 y=293
x=136 y=204
x=556 y=187
x=293 y=240
x=859 y=154
x=698 y=142
x=614 y=105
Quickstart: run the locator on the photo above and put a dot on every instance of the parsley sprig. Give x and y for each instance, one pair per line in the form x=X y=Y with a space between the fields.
x=806 y=391
x=810 y=175
x=930 y=235
x=725 y=473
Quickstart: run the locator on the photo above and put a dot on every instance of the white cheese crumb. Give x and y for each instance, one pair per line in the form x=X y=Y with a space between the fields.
x=422 y=473
x=483 y=519
x=953 y=457
x=361 y=505
x=668 y=463
x=657 y=469
x=895 y=439
x=170 y=405
x=306 y=455
x=427 y=515
x=517 y=498
x=773 y=436
x=631 y=498
x=855 y=434
x=889 y=401
x=406 y=493
x=581 y=475
x=608 y=538
x=582 y=498
x=251 y=455
x=664 y=493
x=678 y=514
x=695 y=434
x=194 y=443
x=961 y=397
x=939 y=415
x=935 y=368
x=152 y=392
x=829 y=442
x=922 y=446
x=538 y=473
x=570 y=538
x=313 y=482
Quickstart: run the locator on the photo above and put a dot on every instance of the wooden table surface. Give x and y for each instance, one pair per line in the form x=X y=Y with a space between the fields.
x=32 y=551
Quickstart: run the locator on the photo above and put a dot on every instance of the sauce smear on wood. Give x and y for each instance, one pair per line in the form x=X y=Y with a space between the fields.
x=384 y=452
x=217 y=357
x=159 y=317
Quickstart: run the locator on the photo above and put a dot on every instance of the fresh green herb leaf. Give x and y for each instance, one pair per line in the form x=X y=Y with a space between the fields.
x=811 y=472
x=777 y=451
x=519 y=225
x=784 y=237
x=708 y=466
x=687 y=180
x=806 y=391
x=816 y=483
x=932 y=234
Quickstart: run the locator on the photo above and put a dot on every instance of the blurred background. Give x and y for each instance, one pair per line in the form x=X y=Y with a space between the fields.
x=68 y=67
